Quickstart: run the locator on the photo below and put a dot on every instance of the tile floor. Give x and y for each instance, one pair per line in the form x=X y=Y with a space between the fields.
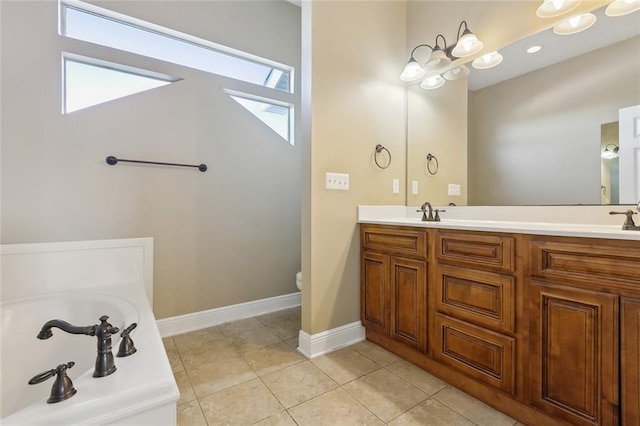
x=249 y=372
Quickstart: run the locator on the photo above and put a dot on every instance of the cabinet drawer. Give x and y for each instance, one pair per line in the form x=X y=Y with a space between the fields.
x=493 y=252
x=394 y=240
x=617 y=265
x=482 y=354
x=483 y=298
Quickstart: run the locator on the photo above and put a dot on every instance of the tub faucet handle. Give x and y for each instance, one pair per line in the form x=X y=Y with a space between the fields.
x=62 y=387
x=126 y=344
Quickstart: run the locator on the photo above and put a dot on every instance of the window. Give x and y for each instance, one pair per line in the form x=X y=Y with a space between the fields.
x=89 y=82
x=277 y=115
x=92 y=24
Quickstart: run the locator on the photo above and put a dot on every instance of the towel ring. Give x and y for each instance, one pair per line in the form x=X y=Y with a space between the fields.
x=379 y=149
x=431 y=157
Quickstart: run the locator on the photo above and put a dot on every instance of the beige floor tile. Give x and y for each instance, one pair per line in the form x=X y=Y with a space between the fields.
x=375 y=352
x=253 y=339
x=335 y=407
x=234 y=327
x=293 y=342
x=473 y=409
x=218 y=351
x=345 y=365
x=385 y=394
x=184 y=386
x=190 y=414
x=197 y=338
x=431 y=413
x=282 y=419
x=215 y=376
x=424 y=381
x=272 y=319
x=273 y=357
x=298 y=383
x=241 y=404
x=173 y=355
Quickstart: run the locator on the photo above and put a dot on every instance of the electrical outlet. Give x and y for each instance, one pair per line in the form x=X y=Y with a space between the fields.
x=414 y=187
x=337 y=181
x=454 y=190
x=396 y=186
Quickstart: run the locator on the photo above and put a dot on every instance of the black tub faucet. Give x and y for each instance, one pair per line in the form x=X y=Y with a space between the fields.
x=103 y=331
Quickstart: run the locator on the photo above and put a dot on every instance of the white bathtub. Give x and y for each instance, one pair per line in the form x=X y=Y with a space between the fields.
x=141 y=391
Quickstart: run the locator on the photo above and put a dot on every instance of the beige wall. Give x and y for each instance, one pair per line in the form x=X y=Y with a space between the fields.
x=226 y=236
x=356 y=102
x=537 y=137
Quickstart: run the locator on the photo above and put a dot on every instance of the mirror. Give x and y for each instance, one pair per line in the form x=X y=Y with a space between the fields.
x=532 y=130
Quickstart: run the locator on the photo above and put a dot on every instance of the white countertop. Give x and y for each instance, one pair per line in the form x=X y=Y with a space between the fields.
x=407 y=216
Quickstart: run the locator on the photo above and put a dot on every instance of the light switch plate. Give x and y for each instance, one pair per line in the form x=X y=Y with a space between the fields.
x=337 y=181
x=396 y=186
x=454 y=190
x=414 y=187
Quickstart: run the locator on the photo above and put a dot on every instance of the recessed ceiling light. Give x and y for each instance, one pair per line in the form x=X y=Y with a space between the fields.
x=534 y=49
x=575 y=24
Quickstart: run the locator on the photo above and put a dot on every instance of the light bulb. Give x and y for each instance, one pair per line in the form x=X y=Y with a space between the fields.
x=574 y=21
x=558 y=4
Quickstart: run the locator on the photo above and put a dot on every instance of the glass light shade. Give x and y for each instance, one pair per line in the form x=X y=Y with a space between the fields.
x=437 y=59
x=551 y=8
x=432 y=82
x=486 y=61
x=467 y=45
x=575 y=24
x=608 y=155
x=457 y=73
x=622 y=7
x=412 y=71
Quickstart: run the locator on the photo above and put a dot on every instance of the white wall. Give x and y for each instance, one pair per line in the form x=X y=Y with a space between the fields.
x=536 y=138
x=226 y=236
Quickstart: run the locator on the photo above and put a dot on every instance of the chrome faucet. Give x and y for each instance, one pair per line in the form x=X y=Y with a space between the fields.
x=103 y=331
x=430 y=217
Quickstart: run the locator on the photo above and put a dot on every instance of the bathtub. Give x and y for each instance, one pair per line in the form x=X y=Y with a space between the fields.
x=79 y=282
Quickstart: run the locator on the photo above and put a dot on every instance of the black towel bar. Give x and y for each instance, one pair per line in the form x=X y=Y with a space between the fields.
x=111 y=160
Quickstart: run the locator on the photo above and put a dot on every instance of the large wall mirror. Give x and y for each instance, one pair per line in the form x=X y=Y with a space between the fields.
x=533 y=130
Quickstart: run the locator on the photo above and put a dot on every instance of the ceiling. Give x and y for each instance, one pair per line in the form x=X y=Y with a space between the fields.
x=555 y=48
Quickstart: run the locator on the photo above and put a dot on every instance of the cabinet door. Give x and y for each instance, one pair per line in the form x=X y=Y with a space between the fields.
x=374 y=291
x=574 y=354
x=408 y=298
x=630 y=358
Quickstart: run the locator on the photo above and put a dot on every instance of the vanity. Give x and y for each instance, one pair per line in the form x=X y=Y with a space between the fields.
x=540 y=320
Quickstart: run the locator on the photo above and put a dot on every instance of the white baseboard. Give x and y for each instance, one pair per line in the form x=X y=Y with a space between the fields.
x=203 y=319
x=318 y=344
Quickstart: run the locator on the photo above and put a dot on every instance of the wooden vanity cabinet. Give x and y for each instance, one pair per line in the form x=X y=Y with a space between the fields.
x=394 y=284
x=583 y=331
x=544 y=328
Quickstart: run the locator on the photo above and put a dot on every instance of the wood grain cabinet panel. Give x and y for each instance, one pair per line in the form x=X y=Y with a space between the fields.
x=483 y=251
x=574 y=354
x=483 y=298
x=374 y=285
x=394 y=240
x=408 y=299
x=630 y=361
x=480 y=353
x=611 y=266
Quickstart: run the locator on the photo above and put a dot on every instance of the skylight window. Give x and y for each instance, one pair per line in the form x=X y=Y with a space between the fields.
x=277 y=115
x=89 y=82
x=92 y=24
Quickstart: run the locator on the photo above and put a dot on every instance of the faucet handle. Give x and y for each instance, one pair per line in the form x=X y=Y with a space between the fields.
x=62 y=387
x=437 y=216
x=126 y=344
x=628 y=223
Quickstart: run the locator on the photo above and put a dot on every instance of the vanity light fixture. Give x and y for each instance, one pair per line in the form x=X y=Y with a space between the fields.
x=488 y=60
x=552 y=8
x=440 y=57
x=432 y=82
x=575 y=24
x=622 y=7
x=608 y=155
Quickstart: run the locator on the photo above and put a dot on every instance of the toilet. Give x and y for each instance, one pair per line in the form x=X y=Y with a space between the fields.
x=299 y=280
